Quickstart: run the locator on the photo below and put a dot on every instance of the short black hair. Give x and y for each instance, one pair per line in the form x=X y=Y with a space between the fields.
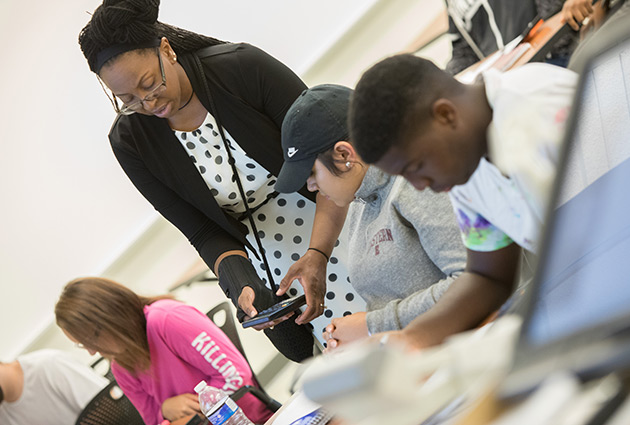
x=392 y=98
x=1 y=395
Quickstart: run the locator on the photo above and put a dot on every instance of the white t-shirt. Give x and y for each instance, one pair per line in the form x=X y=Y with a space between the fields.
x=56 y=389
x=505 y=201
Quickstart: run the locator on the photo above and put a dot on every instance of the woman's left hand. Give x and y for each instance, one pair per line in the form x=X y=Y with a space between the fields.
x=310 y=271
x=246 y=303
x=180 y=405
x=343 y=330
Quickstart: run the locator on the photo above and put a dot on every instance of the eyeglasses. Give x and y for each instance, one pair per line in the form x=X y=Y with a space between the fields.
x=128 y=109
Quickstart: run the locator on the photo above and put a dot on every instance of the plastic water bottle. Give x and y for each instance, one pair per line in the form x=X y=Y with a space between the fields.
x=218 y=407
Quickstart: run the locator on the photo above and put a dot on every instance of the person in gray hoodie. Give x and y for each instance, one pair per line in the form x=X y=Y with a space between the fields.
x=405 y=247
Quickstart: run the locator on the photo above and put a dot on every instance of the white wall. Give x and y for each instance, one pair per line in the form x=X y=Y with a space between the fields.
x=389 y=27
x=297 y=32
x=67 y=208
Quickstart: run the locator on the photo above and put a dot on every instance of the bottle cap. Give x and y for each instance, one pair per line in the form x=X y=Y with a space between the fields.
x=200 y=386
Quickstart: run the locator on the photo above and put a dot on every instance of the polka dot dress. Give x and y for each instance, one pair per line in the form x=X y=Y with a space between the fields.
x=284 y=221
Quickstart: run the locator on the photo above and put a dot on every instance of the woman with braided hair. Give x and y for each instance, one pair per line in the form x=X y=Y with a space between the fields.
x=198 y=133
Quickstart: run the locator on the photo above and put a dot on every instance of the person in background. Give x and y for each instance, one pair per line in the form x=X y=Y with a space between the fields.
x=574 y=12
x=479 y=28
x=159 y=348
x=197 y=132
x=405 y=245
x=602 y=17
x=46 y=386
x=492 y=146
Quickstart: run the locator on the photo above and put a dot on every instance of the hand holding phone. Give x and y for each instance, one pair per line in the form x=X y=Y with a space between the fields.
x=276 y=311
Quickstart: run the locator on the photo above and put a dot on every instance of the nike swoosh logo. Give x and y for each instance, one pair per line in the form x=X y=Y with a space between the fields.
x=291 y=152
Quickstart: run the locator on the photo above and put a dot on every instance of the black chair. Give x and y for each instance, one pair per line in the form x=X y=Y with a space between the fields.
x=228 y=326
x=110 y=407
x=204 y=276
x=108 y=374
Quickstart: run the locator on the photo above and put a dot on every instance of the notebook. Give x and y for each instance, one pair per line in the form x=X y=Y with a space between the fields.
x=577 y=308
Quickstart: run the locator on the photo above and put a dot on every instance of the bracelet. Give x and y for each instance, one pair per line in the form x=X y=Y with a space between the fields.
x=321 y=252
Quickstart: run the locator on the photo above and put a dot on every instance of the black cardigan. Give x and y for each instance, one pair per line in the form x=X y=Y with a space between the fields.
x=252 y=92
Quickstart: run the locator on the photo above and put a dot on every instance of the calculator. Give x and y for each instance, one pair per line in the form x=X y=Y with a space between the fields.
x=276 y=311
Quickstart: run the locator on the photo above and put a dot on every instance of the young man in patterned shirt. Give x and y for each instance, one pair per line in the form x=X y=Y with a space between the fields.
x=492 y=145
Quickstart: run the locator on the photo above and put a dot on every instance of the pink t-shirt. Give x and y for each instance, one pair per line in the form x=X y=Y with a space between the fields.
x=186 y=347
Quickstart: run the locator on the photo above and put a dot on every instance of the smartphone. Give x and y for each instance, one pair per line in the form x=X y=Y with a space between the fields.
x=276 y=311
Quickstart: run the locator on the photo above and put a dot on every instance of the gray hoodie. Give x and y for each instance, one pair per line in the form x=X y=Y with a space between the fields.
x=405 y=249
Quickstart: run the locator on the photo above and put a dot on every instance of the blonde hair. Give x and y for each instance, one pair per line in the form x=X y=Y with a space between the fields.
x=89 y=307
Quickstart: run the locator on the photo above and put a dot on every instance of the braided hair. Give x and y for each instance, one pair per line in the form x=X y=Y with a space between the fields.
x=134 y=22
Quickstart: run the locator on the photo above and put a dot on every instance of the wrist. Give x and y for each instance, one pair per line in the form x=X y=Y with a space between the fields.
x=367 y=325
x=326 y=256
x=236 y=273
x=418 y=337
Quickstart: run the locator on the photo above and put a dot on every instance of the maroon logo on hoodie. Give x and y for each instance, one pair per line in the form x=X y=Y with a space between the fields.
x=383 y=235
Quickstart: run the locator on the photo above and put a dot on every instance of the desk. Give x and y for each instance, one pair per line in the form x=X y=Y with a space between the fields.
x=562 y=398
x=469 y=372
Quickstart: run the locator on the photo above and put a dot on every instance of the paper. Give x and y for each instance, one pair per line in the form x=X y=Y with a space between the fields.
x=299 y=405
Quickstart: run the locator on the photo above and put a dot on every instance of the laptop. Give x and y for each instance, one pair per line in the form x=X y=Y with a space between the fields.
x=577 y=308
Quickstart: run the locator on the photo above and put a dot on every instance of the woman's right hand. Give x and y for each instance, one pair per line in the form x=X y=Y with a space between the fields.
x=310 y=271
x=180 y=405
